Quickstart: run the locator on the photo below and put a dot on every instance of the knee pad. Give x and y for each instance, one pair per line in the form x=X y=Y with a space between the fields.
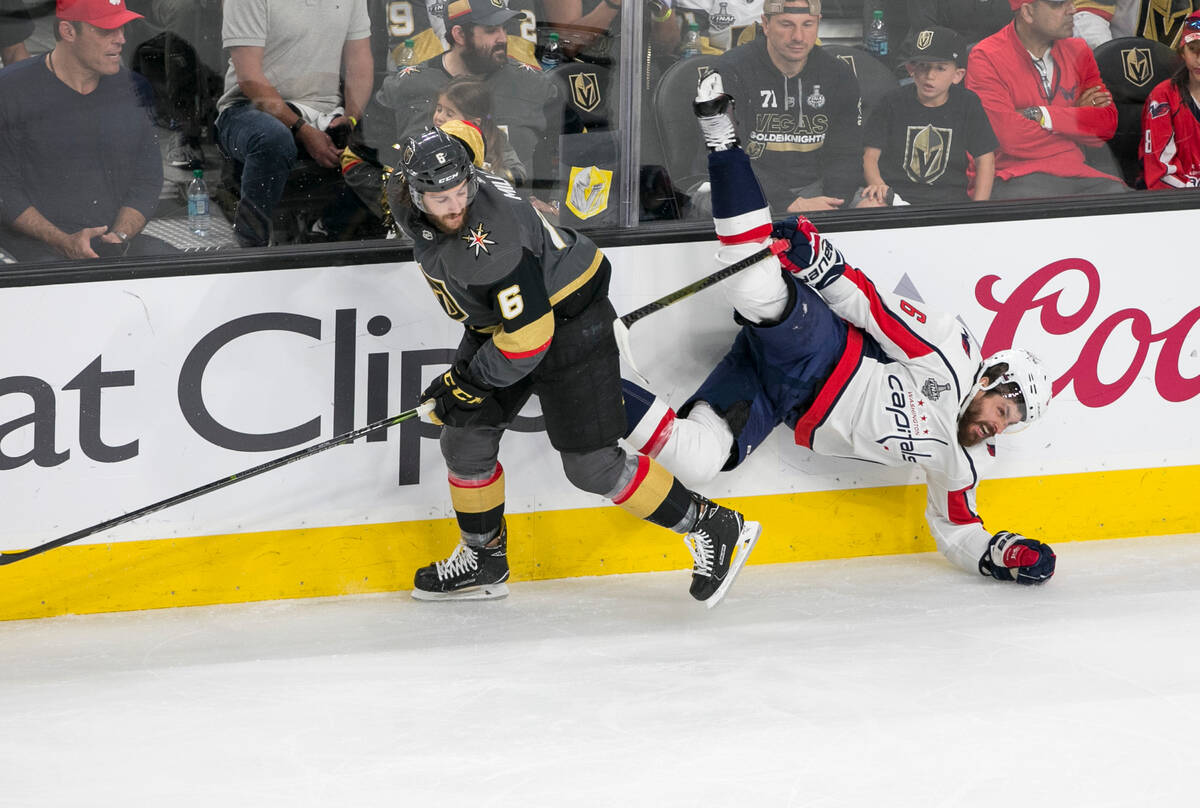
x=596 y=472
x=759 y=293
x=698 y=446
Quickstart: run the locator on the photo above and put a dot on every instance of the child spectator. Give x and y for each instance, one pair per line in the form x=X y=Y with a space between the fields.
x=1171 y=119
x=467 y=99
x=917 y=139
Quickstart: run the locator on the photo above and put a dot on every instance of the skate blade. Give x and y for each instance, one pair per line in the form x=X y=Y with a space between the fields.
x=746 y=541
x=487 y=592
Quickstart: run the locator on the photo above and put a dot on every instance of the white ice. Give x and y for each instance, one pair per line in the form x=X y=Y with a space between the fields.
x=895 y=681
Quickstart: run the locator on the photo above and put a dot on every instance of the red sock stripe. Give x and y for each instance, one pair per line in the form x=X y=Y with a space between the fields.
x=458 y=482
x=760 y=233
x=832 y=389
x=643 y=469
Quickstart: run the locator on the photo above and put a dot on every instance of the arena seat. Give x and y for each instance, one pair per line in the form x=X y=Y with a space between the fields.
x=875 y=79
x=682 y=147
x=1131 y=67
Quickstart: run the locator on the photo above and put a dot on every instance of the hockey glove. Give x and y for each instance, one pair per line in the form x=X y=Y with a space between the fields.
x=810 y=258
x=1012 y=557
x=460 y=401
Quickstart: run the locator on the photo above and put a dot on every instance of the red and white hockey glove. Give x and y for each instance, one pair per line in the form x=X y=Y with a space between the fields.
x=810 y=257
x=1012 y=557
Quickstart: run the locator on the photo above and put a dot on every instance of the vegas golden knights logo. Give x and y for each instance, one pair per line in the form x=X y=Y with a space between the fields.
x=498 y=3
x=850 y=61
x=444 y=297
x=1138 y=66
x=585 y=90
x=1163 y=19
x=924 y=39
x=587 y=190
x=927 y=152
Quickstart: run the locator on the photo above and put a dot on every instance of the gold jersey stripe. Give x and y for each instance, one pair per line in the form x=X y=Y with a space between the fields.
x=526 y=340
x=583 y=278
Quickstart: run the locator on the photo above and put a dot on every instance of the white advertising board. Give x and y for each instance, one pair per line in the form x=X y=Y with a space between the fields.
x=114 y=395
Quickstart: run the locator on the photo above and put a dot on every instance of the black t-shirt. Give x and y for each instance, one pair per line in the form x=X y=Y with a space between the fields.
x=924 y=149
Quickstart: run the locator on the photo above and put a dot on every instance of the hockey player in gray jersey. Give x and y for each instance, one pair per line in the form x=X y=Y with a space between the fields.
x=533 y=300
x=853 y=371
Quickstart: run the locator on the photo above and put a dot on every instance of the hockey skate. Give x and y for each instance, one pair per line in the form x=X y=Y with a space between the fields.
x=720 y=543
x=470 y=573
x=714 y=112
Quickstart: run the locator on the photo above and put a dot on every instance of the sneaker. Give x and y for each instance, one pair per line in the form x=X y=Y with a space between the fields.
x=182 y=153
x=720 y=543
x=714 y=111
x=470 y=573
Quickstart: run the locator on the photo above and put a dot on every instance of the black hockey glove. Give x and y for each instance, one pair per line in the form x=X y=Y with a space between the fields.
x=810 y=257
x=1012 y=557
x=460 y=401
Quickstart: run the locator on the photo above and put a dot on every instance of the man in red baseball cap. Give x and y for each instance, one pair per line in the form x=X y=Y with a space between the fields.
x=106 y=14
x=81 y=172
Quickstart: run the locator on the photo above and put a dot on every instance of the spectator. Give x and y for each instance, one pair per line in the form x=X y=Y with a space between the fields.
x=1043 y=93
x=1097 y=21
x=191 y=97
x=465 y=99
x=973 y=20
x=478 y=49
x=799 y=108
x=1171 y=119
x=15 y=28
x=282 y=96
x=918 y=137
x=81 y=172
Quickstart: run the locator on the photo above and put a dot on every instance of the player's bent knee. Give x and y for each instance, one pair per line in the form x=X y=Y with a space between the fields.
x=759 y=292
x=596 y=472
x=698 y=447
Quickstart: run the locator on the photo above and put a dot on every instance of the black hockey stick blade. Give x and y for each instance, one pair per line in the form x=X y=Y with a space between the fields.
x=621 y=324
x=216 y=485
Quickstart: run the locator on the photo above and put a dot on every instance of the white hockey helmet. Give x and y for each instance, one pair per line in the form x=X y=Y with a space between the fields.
x=1025 y=380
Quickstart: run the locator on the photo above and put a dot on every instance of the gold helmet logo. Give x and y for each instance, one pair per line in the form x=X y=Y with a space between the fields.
x=927 y=152
x=1138 y=67
x=924 y=40
x=585 y=91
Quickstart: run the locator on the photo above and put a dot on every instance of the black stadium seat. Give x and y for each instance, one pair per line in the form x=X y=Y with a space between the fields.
x=682 y=146
x=875 y=80
x=1131 y=67
x=586 y=88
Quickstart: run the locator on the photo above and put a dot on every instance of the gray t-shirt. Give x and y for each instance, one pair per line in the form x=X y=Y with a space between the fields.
x=302 y=44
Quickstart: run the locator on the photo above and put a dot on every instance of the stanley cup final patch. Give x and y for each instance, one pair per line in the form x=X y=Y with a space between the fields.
x=587 y=190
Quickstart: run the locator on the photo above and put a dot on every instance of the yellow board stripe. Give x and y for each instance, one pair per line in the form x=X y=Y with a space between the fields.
x=82 y=579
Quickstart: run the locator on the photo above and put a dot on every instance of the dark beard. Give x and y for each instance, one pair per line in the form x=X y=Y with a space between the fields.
x=480 y=62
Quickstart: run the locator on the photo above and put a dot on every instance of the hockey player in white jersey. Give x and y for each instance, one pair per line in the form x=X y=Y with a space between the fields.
x=852 y=370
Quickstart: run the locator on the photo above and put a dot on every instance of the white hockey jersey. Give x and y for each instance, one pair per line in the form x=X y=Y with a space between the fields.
x=905 y=410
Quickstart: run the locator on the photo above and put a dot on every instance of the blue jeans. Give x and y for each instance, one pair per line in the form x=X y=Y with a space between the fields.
x=267 y=151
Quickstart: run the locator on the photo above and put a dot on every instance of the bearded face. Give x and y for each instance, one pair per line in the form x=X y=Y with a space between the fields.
x=485 y=48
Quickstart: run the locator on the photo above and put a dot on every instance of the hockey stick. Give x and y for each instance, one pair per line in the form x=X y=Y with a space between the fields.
x=621 y=324
x=279 y=462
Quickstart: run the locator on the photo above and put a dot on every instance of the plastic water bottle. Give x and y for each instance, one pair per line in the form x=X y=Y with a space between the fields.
x=197 y=202
x=691 y=41
x=876 y=39
x=403 y=56
x=551 y=54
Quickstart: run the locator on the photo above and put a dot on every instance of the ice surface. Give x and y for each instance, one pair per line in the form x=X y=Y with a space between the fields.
x=894 y=681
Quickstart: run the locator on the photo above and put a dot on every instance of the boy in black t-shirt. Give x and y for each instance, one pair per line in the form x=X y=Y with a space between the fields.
x=918 y=137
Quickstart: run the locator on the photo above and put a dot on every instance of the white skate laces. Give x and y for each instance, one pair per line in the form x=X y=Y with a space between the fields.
x=713 y=108
x=700 y=545
x=464 y=559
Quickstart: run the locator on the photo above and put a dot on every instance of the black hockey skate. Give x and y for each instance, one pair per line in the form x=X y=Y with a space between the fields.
x=470 y=573
x=720 y=543
x=714 y=112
